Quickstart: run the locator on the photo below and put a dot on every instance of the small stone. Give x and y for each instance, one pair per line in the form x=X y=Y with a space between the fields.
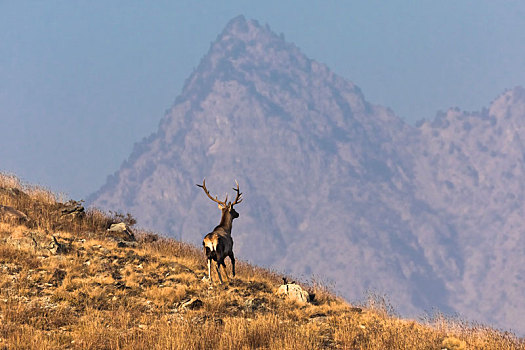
x=253 y=304
x=200 y=319
x=192 y=304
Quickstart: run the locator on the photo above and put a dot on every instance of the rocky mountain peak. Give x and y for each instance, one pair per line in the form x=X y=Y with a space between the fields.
x=256 y=57
x=334 y=185
x=239 y=28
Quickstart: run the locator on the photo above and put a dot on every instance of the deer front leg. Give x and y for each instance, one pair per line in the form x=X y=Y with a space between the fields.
x=232 y=259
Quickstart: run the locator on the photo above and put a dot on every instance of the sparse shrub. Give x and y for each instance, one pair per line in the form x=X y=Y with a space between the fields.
x=127 y=218
x=22 y=258
x=380 y=304
x=165 y=296
x=453 y=343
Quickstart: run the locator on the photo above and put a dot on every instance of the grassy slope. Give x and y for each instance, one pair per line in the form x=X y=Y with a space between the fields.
x=96 y=294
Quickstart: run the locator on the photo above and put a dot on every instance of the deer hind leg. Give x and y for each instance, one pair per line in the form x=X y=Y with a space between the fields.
x=220 y=263
x=218 y=266
x=224 y=269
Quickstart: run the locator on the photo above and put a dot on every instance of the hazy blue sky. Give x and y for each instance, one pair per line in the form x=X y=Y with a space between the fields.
x=81 y=81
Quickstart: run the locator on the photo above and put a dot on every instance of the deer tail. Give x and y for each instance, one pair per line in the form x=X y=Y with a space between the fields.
x=210 y=249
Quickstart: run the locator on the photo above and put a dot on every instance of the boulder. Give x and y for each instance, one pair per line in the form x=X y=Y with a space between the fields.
x=72 y=209
x=293 y=291
x=11 y=214
x=121 y=231
x=192 y=304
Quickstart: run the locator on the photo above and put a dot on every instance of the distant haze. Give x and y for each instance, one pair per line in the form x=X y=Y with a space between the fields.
x=336 y=186
x=81 y=82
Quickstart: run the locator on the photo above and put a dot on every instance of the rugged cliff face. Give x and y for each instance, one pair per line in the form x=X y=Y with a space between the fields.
x=470 y=169
x=335 y=186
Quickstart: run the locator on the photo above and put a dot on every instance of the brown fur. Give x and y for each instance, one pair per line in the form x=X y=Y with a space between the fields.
x=217 y=246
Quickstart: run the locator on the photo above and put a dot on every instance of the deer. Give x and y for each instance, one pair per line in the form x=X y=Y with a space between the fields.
x=218 y=244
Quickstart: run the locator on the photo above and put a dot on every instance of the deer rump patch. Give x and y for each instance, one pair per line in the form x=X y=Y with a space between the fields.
x=215 y=248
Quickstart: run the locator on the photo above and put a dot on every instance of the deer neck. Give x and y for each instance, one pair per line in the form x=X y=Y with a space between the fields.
x=226 y=221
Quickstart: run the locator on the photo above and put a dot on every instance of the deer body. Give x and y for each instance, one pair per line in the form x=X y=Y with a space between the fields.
x=218 y=244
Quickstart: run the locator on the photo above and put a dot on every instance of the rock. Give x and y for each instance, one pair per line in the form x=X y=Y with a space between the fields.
x=26 y=240
x=319 y=317
x=199 y=319
x=55 y=247
x=72 y=208
x=121 y=231
x=124 y=244
x=254 y=304
x=11 y=214
x=58 y=277
x=14 y=193
x=192 y=304
x=293 y=292
x=121 y=285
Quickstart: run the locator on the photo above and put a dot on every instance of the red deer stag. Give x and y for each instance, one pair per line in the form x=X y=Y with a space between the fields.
x=218 y=244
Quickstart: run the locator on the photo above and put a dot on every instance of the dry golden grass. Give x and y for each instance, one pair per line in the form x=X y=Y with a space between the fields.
x=97 y=295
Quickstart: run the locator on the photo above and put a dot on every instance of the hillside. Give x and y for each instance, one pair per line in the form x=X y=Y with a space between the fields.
x=67 y=282
x=336 y=186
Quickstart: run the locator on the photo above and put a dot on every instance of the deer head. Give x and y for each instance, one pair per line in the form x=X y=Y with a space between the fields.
x=225 y=206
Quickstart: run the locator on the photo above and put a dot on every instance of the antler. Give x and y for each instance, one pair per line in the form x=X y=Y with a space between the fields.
x=238 y=199
x=203 y=186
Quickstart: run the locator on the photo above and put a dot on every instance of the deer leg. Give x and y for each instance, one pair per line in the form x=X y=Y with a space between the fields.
x=217 y=266
x=224 y=269
x=232 y=259
x=209 y=271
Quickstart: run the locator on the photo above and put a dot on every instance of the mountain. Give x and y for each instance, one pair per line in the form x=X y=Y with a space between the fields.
x=471 y=169
x=336 y=187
